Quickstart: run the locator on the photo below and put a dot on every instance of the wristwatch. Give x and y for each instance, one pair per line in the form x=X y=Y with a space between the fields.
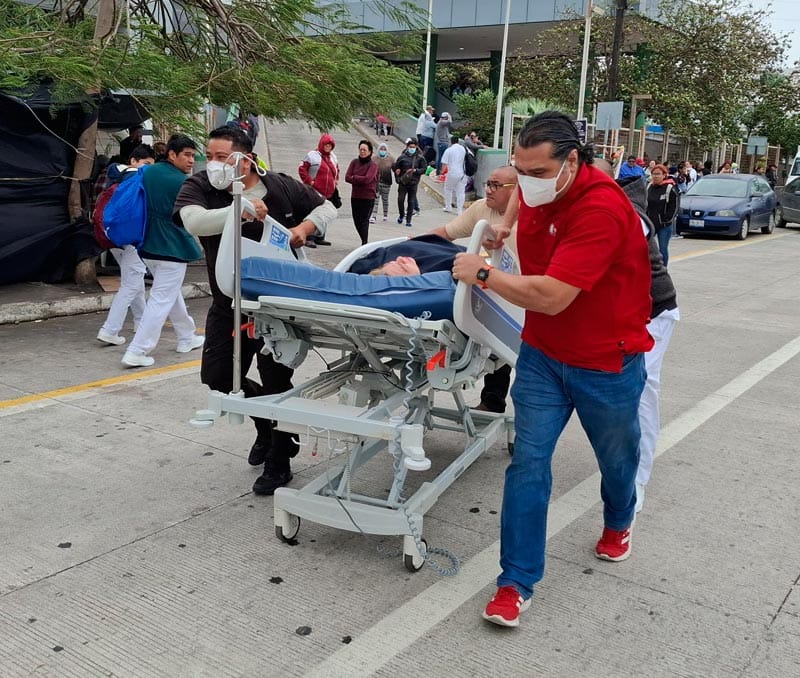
x=483 y=275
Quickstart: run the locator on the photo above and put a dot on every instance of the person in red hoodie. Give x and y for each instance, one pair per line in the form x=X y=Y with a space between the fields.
x=363 y=175
x=320 y=169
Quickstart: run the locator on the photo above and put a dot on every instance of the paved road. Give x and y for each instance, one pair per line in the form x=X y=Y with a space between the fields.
x=130 y=544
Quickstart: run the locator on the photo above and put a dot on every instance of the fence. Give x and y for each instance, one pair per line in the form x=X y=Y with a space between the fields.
x=664 y=147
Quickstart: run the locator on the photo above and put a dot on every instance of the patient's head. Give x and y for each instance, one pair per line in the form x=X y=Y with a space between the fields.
x=398 y=266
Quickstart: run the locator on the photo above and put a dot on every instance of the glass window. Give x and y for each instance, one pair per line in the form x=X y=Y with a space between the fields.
x=721 y=188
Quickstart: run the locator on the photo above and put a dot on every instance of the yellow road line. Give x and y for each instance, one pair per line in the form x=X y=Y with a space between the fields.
x=133 y=376
x=100 y=383
x=721 y=247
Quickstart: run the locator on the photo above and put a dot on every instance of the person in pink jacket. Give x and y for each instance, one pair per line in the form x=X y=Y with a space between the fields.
x=320 y=169
x=363 y=175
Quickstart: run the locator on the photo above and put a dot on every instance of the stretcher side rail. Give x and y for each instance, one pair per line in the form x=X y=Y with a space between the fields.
x=378 y=397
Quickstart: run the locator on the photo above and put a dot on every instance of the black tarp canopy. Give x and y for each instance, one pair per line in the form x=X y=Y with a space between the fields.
x=38 y=241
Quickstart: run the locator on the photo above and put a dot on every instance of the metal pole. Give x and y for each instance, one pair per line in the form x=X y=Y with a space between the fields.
x=632 y=125
x=502 y=78
x=238 y=188
x=427 y=57
x=587 y=31
x=508 y=132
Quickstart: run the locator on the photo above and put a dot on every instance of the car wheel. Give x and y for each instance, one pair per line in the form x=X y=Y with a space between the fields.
x=771 y=225
x=780 y=220
x=744 y=229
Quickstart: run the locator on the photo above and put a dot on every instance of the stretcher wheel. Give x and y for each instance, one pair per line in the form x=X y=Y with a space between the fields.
x=412 y=562
x=294 y=528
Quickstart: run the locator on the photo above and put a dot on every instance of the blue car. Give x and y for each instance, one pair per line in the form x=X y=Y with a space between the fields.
x=727 y=204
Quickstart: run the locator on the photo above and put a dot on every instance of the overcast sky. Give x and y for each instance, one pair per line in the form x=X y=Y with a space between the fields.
x=785 y=19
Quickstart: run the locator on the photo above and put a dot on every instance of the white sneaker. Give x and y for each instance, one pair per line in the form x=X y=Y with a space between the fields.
x=190 y=344
x=372 y=220
x=113 y=339
x=446 y=209
x=385 y=218
x=136 y=360
x=639 y=497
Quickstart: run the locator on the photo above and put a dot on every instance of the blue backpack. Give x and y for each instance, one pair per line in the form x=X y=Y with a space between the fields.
x=125 y=214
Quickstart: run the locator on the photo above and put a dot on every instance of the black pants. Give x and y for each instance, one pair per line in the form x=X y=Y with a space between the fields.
x=362 y=210
x=403 y=191
x=495 y=389
x=216 y=372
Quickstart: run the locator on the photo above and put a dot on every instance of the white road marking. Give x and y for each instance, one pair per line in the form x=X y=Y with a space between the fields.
x=402 y=627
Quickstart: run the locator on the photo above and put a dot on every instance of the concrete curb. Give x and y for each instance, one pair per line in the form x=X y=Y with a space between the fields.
x=28 y=311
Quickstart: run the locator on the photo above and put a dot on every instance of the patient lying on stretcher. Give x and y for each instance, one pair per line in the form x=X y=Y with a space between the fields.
x=421 y=285
x=415 y=256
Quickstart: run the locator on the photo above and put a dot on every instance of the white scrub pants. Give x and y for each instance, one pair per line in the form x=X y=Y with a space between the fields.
x=131 y=290
x=457 y=183
x=660 y=329
x=165 y=301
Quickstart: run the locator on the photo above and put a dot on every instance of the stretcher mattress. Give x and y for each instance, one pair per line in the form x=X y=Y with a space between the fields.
x=412 y=296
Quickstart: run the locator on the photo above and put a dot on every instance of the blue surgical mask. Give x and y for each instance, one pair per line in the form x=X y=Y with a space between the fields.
x=411 y=151
x=383 y=154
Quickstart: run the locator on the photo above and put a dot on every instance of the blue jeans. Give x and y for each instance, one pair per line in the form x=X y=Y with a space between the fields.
x=545 y=393
x=664 y=236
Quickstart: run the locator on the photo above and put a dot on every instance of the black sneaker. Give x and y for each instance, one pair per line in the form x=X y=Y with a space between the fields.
x=259 y=451
x=322 y=241
x=310 y=243
x=272 y=478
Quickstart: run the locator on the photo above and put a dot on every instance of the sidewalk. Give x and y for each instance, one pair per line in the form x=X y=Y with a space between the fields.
x=31 y=301
x=26 y=302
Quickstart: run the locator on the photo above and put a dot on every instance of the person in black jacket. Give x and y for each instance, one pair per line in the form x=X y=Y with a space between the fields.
x=663 y=316
x=408 y=168
x=202 y=207
x=662 y=206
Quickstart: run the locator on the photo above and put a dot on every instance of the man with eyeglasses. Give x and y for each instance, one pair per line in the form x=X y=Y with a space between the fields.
x=499 y=188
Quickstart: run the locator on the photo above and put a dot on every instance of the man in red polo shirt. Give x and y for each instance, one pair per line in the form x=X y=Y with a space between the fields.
x=585 y=285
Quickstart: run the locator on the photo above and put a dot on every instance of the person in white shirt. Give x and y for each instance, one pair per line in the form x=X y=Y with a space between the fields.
x=131 y=269
x=456 y=180
x=425 y=128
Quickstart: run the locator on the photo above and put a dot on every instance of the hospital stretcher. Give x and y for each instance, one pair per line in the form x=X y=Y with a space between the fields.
x=378 y=396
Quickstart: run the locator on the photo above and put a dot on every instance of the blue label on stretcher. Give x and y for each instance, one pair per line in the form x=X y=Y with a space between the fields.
x=507 y=262
x=278 y=238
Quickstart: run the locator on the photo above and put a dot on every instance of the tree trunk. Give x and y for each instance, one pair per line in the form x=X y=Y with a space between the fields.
x=616 y=49
x=106 y=26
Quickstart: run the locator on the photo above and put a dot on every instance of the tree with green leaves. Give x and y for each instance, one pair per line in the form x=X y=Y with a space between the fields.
x=479 y=110
x=774 y=111
x=279 y=58
x=701 y=63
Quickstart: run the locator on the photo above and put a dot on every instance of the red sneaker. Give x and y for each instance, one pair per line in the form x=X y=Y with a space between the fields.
x=505 y=607
x=614 y=545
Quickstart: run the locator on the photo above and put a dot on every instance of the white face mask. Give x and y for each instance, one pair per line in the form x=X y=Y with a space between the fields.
x=536 y=191
x=220 y=174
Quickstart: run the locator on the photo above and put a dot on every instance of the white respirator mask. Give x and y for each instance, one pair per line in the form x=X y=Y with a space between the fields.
x=536 y=191
x=220 y=174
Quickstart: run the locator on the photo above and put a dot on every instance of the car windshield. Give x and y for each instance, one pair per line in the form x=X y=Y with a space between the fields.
x=719 y=188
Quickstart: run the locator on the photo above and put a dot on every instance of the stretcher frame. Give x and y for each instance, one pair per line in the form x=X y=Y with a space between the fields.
x=384 y=382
